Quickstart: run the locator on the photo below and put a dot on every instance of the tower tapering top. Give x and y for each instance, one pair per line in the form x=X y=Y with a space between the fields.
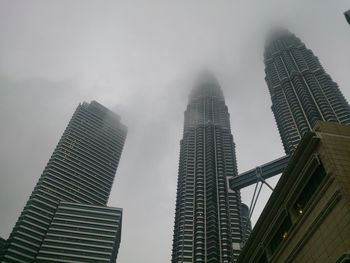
x=206 y=86
x=277 y=32
x=278 y=39
x=206 y=77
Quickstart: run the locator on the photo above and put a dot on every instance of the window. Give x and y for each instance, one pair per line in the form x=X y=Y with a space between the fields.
x=309 y=190
x=280 y=235
x=263 y=259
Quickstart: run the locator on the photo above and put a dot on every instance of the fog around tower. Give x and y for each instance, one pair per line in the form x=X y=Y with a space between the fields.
x=141 y=60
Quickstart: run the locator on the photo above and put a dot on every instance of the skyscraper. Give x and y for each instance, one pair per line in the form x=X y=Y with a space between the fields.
x=207 y=218
x=2 y=243
x=72 y=190
x=245 y=221
x=301 y=91
x=82 y=233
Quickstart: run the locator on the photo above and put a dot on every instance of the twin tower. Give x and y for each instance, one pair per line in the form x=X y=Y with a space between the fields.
x=209 y=218
x=66 y=218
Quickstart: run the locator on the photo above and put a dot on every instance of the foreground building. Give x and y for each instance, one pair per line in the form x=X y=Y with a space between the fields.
x=307 y=218
x=207 y=217
x=66 y=212
x=301 y=91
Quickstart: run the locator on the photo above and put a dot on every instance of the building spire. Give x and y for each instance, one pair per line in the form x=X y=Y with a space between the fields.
x=206 y=85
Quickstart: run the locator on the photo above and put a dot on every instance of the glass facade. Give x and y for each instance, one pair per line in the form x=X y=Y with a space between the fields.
x=82 y=233
x=246 y=224
x=207 y=217
x=301 y=91
x=81 y=170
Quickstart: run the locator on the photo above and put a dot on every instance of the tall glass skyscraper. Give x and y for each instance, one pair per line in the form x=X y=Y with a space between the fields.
x=66 y=218
x=245 y=221
x=301 y=91
x=207 y=218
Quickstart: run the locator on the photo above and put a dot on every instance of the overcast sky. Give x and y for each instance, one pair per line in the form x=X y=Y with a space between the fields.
x=140 y=58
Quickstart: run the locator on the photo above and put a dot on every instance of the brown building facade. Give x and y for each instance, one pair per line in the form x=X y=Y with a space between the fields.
x=307 y=218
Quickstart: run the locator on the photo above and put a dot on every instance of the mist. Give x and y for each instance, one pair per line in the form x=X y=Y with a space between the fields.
x=140 y=59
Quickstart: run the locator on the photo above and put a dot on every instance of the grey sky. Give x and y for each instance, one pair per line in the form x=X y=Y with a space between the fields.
x=139 y=59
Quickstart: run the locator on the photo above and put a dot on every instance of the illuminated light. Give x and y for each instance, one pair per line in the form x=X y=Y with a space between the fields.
x=285 y=234
x=299 y=209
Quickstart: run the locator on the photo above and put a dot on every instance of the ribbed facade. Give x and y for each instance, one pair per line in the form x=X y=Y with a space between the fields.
x=246 y=223
x=82 y=233
x=207 y=218
x=301 y=91
x=2 y=243
x=80 y=170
